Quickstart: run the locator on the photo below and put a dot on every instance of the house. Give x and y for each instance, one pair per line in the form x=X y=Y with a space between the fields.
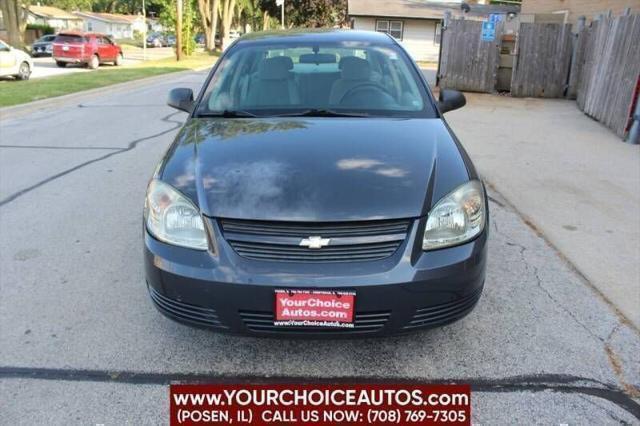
x=568 y=11
x=53 y=17
x=416 y=24
x=115 y=25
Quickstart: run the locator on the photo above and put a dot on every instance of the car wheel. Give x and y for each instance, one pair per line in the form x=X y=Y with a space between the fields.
x=61 y=64
x=24 y=71
x=94 y=62
x=118 y=60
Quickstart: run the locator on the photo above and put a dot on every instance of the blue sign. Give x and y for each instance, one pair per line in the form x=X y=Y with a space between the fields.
x=496 y=17
x=488 y=31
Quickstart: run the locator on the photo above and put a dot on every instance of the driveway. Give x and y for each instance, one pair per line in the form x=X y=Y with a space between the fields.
x=571 y=177
x=82 y=341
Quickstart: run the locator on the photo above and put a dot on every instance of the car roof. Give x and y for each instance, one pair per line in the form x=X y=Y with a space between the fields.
x=310 y=35
x=81 y=34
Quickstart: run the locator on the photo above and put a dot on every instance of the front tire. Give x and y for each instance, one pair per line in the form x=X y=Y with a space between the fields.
x=61 y=64
x=94 y=62
x=24 y=71
x=118 y=60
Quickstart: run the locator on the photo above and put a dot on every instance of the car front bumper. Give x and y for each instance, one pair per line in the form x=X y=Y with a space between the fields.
x=229 y=293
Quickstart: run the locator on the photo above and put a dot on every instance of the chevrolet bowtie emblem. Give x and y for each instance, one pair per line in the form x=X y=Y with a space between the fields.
x=315 y=242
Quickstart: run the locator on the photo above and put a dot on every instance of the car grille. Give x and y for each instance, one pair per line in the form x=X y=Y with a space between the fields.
x=186 y=312
x=364 y=322
x=444 y=313
x=349 y=242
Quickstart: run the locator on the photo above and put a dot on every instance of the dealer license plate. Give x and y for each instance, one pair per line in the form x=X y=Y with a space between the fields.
x=314 y=308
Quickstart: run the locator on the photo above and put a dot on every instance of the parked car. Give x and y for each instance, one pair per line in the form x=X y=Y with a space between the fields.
x=156 y=40
x=315 y=190
x=14 y=62
x=43 y=46
x=171 y=40
x=90 y=49
x=199 y=39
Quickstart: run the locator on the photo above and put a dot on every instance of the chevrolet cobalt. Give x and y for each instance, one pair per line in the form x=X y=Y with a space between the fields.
x=315 y=190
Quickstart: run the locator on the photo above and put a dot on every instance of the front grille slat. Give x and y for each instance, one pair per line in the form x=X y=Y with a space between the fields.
x=349 y=242
x=443 y=313
x=186 y=312
x=262 y=322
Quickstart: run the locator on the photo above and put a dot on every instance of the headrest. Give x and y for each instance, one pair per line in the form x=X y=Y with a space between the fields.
x=276 y=68
x=354 y=68
x=318 y=58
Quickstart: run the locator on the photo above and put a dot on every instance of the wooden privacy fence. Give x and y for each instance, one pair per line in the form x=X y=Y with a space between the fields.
x=609 y=68
x=542 y=65
x=469 y=63
x=600 y=66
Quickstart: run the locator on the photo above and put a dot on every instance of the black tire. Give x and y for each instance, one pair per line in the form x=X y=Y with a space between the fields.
x=61 y=64
x=94 y=62
x=24 y=71
x=118 y=60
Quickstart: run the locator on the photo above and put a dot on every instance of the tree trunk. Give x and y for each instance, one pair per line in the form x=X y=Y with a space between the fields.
x=265 y=20
x=13 y=21
x=227 y=17
x=205 y=20
x=214 y=21
x=179 y=30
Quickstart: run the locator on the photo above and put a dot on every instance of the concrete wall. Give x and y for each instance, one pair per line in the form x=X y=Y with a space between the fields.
x=418 y=36
x=577 y=8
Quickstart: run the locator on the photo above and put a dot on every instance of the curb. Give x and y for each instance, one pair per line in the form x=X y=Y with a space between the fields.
x=17 y=111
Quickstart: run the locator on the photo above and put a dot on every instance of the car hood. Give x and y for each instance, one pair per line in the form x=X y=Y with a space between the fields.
x=316 y=169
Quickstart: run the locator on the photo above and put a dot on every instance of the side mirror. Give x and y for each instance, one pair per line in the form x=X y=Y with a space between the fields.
x=450 y=100
x=181 y=99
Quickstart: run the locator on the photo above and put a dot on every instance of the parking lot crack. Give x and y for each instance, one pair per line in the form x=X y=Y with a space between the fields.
x=617 y=365
x=131 y=145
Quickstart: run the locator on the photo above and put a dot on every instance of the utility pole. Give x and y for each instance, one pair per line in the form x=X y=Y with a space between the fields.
x=179 y=30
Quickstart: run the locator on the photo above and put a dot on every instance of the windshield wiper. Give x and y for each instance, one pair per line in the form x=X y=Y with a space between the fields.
x=321 y=113
x=227 y=113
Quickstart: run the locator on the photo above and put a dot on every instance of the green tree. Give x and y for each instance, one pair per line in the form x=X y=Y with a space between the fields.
x=315 y=13
x=14 y=21
x=69 y=5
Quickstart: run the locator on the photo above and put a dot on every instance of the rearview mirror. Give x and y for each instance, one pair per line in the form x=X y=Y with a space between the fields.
x=450 y=100
x=181 y=98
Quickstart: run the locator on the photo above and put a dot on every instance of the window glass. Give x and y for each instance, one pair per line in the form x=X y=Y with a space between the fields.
x=69 y=38
x=286 y=78
x=382 y=26
x=395 y=29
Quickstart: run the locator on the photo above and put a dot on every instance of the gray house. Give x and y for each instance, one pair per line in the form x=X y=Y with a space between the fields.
x=416 y=23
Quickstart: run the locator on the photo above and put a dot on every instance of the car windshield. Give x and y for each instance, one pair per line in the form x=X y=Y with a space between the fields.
x=331 y=78
x=69 y=38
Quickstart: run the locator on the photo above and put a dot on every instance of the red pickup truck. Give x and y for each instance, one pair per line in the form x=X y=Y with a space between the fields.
x=90 y=49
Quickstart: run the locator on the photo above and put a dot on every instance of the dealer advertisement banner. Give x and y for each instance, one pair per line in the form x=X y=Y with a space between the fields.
x=267 y=404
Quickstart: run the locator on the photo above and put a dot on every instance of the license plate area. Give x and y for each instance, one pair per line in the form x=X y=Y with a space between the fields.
x=314 y=308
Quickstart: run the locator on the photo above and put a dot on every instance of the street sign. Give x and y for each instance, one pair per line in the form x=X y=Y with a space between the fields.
x=279 y=3
x=488 y=31
x=496 y=17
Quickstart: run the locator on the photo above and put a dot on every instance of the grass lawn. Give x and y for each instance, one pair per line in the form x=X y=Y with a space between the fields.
x=19 y=92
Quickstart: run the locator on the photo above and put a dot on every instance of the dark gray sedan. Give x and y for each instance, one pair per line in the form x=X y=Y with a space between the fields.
x=315 y=191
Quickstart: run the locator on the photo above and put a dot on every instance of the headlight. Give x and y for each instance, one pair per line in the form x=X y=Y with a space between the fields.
x=172 y=218
x=456 y=218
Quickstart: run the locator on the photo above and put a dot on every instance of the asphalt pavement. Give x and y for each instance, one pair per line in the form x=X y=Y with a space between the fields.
x=82 y=343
